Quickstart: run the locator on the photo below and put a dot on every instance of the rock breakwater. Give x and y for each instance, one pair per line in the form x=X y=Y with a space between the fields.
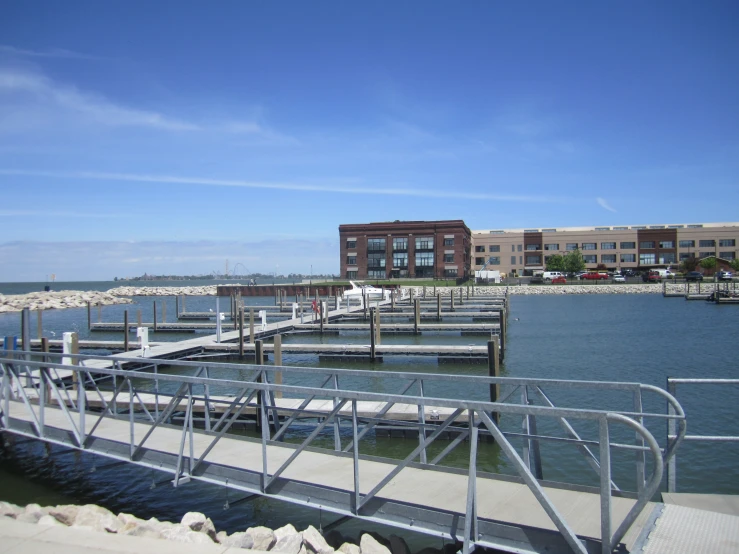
x=57 y=300
x=207 y=290
x=196 y=528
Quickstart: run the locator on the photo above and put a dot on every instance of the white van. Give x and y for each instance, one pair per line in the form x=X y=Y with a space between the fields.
x=549 y=275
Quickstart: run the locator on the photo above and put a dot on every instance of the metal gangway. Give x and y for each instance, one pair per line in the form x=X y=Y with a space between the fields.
x=163 y=415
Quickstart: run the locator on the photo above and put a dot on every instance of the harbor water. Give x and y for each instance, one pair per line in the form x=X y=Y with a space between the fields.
x=633 y=338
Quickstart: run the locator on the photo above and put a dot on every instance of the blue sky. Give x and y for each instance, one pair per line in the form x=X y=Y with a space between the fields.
x=167 y=137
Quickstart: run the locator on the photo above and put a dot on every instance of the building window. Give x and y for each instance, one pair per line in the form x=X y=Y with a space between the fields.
x=590 y=258
x=479 y=261
x=520 y=248
x=376 y=260
x=553 y=246
x=479 y=248
x=727 y=242
x=686 y=244
x=571 y=246
x=726 y=255
x=351 y=244
x=351 y=274
x=449 y=242
x=351 y=260
x=494 y=260
x=705 y=254
x=375 y=245
x=513 y=260
x=620 y=228
x=450 y=272
x=533 y=260
x=647 y=259
x=667 y=244
x=667 y=257
x=424 y=243
x=400 y=260
x=426 y=259
x=685 y=256
x=695 y=226
x=608 y=258
x=400 y=245
x=602 y=228
x=628 y=245
x=646 y=244
x=513 y=247
x=628 y=258
x=448 y=258
x=533 y=247
x=589 y=245
x=707 y=243
x=376 y=273
x=608 y=246
x=494 y=248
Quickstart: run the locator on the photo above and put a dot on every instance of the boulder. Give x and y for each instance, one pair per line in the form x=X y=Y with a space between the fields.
x=285 y=531
x=31 y=514
x=262 y=537
x=199 y=523
x=314 y=541
x=128 y=518
x=369 y=545
x=398 y=545
x=98 y=518
x=141 y=529
x=10 y=510
x=238 y=540
x=221 y=536
x=349 y=548
x=50 y=520
x=289 y=544
x=182 y=533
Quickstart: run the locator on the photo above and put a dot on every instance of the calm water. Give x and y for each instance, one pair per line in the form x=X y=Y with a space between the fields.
x=643 y=338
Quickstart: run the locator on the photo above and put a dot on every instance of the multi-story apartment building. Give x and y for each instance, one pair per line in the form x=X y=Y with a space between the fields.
x=522 y=251
x=429 y=249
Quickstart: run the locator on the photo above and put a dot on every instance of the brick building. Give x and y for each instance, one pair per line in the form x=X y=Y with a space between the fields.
x=423 y=249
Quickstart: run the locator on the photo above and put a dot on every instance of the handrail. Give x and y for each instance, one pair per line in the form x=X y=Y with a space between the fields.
x=480 y=414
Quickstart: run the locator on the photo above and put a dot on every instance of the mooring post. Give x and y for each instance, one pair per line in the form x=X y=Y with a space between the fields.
x=424 y=292
x=26 y=329
x=451 y=299
x=503 y=324
x=39 y=324
x=378 y=332
x=434 y=289
x=364 y=303
x=280 y=300
x=494 y=371
x=320 y=315
x=155 y=315
x=278 y=362
x=461 y=302
x=251 y=325
x=89 y=316
x=241 y=331
x=125 y=330
x=372 y=334
x=416 y=314
x=392 y=302
x=438 y=307
x=177 y=306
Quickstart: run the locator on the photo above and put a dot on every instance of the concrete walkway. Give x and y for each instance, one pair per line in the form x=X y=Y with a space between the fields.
x=29 y=538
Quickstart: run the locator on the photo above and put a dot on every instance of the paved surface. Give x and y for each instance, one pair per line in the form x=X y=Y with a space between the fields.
x=720 y=503
x=28 y=538
x=681 y=530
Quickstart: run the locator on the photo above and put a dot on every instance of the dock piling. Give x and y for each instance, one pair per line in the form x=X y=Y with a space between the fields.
x=26 y=329
x=251 y=325
x=39 y=325
x=372 y=334
x=494 y=371
x=125 y=330
x=89 y=316
x=155 y=314
x=177 y=306
x=416 y=315
x=378 y=332
x=241 y=332
x=164 y=310
x=438 y=306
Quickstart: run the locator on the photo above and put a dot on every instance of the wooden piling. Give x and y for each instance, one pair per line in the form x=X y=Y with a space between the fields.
x=155 y=315
x=177 y=306
x=251 y=325
x=424 y=292
x=39 y=324
x=378 y=332
x=241 y=332
x=392 y=302
x=416 y=314
x=438 y=307
x=451 y=299
x=320 y=314
x=89 y=316
x=278 y=362
x=125 y=330
x=503 y=324
x=372 y=334
x=26 y=329
x=494 y=371
x=45 y=389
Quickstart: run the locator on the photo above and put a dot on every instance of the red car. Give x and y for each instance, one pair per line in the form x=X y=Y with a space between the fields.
x=560 y=280
x=595 y=276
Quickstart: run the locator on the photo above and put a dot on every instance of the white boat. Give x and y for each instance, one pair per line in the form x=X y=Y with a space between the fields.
x=366 y=291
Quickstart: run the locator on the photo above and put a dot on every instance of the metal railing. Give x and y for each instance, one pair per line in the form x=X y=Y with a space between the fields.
x=37 y=383
x=673 y=432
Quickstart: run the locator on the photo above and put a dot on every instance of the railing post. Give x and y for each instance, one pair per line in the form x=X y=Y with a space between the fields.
x=640 y=454
x=277 y=343
x=372 y=334
x=125 y=330
x=470 y=517
x=337 y=422
x=605 y=486
x=671 y=434
x=355 y=454
x=421 y=424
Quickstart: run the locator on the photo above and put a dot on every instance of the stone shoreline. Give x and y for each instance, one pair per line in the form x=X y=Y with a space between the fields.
x=58 y=300
x=196 y=528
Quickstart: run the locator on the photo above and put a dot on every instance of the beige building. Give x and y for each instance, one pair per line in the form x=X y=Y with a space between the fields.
x=521 y=251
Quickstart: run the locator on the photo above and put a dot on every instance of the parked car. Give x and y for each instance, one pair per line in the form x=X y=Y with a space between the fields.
x=595 y=276
x=693 y=276
x=536 y=279
x=724 y=275
x=629 y=273
x=651 y=277
x=618 y=278
x=559 y=280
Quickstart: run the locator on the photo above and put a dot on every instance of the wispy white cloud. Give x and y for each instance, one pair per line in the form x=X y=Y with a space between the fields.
x=455 y=193
x=51 y=53
x=603 y=204
x=96 y=108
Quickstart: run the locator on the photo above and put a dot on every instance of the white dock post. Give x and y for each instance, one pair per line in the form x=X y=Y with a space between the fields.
x=218 y=320
x=143 y=334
